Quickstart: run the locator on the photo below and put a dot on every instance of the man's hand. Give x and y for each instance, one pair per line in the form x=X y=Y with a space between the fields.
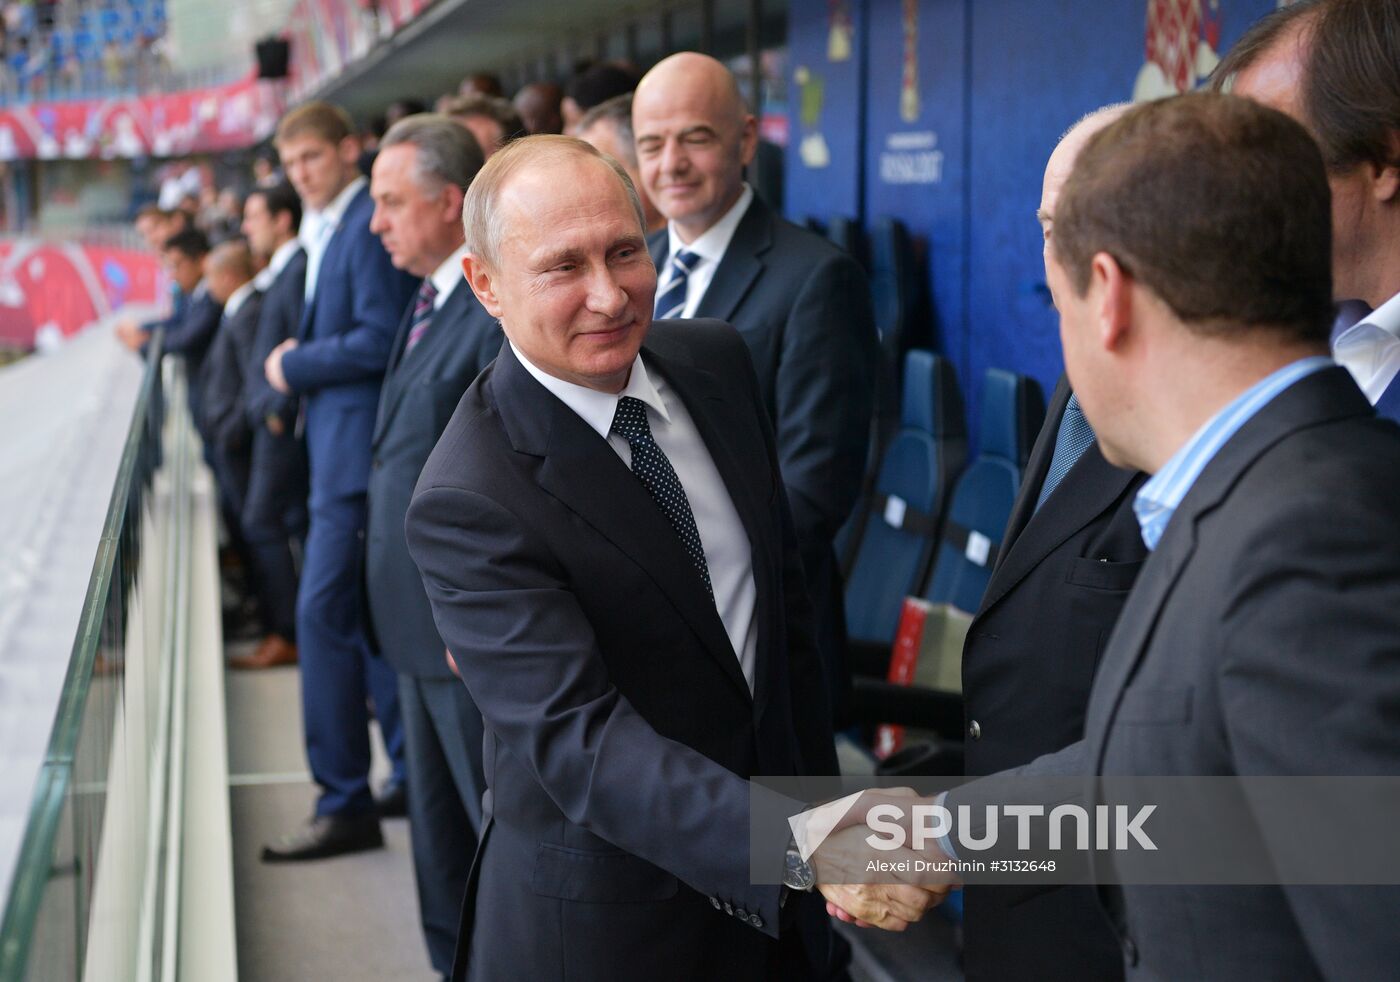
x=272 y=367
x=130 y=334
x=888 y=906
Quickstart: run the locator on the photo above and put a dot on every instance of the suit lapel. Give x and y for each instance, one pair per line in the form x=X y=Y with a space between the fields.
x=741 y=265
x=395 y=378
x=585 y=474
x=1037 y=466
x=712 y=417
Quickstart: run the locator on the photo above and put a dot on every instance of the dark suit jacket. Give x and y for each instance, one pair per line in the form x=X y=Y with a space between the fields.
x=281 y=317
x=804 y=309
x=1260 y=639
x=223 y=378
x=1388 y=405
x=619 y=727
x=420 y=393
x=190 y=335
x=346 y=332
x=1028 y=665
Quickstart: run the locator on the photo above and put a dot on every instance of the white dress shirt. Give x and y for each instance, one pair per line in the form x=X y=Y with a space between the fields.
x=710 y=246
x=446 y=277
x=1370 y=349
x=280 y=258
x=238 y=298
x=722 y=534
x=317 y=227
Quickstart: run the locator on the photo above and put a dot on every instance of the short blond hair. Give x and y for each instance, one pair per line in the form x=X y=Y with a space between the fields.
x=480 y=213
x=322 y=120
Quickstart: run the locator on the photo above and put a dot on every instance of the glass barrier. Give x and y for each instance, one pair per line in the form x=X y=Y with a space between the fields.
x=44 y=930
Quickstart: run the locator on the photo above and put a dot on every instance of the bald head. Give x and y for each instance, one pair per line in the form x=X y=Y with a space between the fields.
x=1057 y=169
x=694 y=137
x=227 y=268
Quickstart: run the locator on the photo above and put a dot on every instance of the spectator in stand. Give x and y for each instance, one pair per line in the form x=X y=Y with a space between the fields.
x=354 y=300
x=608 y=126
x=446 y=338
x=538 y=105
x=229 y=273
x=151 y=226
x=593 y=86
x=266 y=173
x=481 y=83
x=401 y=108
x=491 y=119
x=274 y=512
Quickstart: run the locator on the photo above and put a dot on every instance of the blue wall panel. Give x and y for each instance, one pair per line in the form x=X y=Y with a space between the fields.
x=822 y=162
x=915 y=145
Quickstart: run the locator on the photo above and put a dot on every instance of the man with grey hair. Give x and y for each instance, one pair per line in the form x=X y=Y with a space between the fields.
x=608 y=126
x=604 y=536
x=424 y=166
x=1071 y=552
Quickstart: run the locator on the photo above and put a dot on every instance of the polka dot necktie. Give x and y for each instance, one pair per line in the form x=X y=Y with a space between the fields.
x=1075 y=437
x=671 y=301
x=650 y=465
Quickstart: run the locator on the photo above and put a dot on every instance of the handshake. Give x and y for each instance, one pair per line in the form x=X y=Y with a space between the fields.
x=888 y=889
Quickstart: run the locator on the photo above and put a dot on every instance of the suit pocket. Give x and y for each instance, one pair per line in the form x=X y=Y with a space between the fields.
x=1101 y=575
x=1156 y=705
x=599 y=877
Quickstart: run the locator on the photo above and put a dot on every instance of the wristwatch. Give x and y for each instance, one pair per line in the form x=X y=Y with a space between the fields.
x=797 y=872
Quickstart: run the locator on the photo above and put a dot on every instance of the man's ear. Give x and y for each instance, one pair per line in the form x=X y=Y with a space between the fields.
x=1385 y=183
x=451 y=203
x=349 y=151
x=748 y=140
x=1115 y=287
x=480 y=278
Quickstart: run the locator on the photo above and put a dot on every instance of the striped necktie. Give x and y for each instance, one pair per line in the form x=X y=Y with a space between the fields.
x=672 y=300
x=422 y=315
x=1074 y=438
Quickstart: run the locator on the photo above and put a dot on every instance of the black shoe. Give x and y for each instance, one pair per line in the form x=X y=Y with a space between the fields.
x=392 y=801
x=324 y=836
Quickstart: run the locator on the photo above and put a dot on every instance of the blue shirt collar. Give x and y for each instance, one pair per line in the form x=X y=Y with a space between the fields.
x=1158 y=498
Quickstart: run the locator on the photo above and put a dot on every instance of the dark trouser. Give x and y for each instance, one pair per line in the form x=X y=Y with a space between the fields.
x=339 y=676
x=442 y=732
x=274 y=515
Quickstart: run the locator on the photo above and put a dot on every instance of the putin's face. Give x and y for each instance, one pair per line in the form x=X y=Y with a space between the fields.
x=572 y=283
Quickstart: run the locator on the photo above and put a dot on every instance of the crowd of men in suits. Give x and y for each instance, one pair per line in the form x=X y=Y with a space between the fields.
x=535 y=448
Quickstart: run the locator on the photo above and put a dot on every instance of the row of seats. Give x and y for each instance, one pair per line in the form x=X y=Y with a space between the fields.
x=85 y=37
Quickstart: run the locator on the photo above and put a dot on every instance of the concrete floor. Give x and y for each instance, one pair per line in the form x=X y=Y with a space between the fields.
x=350 y=918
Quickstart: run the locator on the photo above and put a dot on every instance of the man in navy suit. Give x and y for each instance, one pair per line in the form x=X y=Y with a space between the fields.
x=1335 y=67
x=274 y=511
x=802 y=306
x=336 y=364
x=424 y=166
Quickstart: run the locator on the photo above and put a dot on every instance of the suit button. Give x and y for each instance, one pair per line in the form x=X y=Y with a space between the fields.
x=1130 y=951
x=729 y=909
x=974 y=730
x=714 y=902
x=755 y=920
x=741 y=913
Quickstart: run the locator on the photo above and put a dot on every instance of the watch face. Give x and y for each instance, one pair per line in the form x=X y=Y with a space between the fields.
x=797 y=873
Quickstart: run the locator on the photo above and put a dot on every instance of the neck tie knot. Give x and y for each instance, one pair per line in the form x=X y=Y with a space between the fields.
x=630 y=420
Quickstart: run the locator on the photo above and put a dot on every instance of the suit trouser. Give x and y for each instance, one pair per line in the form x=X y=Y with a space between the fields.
x=442 y=736
x=339 y=676
x=274 y=514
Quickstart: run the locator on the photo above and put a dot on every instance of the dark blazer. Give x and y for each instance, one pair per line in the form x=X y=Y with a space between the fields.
x=222 y=378
x=1260 y=639
x=619 y=727
x=281 y=317
x=1028 y=665
x=190 y=335
x=803 y=307
x=420 y=394
x=345 y=335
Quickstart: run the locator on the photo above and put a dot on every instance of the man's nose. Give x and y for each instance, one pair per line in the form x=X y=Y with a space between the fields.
x=605 y=295
x=674 y=159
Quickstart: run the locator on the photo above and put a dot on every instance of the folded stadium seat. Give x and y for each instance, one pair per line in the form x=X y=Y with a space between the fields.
x=845 y=234
x=1013 y=410
x=900 y=519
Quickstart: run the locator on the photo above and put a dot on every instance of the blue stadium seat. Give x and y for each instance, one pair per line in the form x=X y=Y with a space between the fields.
x=1013 y=409
x=901 y=518
x=845 y=234
x=895 y=284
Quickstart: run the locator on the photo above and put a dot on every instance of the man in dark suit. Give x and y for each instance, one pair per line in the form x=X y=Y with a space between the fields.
x=604 y=538
x=802 y=306
x=1335 y=67
x=1071 y=552
x=229 y=275
x=1259 y=639
x=424 y=167
x=274 y=511
x=336 y=363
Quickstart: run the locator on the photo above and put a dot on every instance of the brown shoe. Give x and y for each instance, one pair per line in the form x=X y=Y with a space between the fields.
x=274 y=650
